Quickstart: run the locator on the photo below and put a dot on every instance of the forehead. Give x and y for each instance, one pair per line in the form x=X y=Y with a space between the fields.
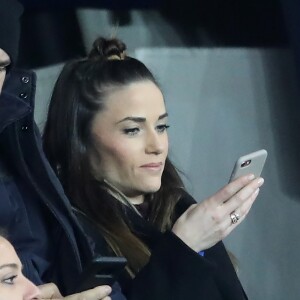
x=135 y=98
x=8 y=254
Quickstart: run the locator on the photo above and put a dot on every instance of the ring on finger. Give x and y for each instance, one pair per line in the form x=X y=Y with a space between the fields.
x=234 y=216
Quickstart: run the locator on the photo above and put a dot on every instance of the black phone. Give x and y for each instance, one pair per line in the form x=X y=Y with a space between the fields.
x=103 y=270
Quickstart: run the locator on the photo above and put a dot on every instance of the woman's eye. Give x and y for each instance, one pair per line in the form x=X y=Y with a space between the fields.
x=131 y=131
x=10 y=280
x=162 y=128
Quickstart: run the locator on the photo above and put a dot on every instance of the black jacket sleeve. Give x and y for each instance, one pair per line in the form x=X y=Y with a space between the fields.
x=176 y=272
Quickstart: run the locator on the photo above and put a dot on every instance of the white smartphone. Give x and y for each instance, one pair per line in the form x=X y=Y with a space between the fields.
x=250 y=163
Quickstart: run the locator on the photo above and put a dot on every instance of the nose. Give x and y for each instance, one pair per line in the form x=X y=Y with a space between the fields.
x=156 y=142
x=31 y=291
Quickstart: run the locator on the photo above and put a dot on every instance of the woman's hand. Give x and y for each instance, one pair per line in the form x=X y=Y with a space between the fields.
x=204 y=224
x=50 y=291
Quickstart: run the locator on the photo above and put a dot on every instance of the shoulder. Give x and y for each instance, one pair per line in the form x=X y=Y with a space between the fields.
x=185 y=201
x=19 y=81
x=17 y=98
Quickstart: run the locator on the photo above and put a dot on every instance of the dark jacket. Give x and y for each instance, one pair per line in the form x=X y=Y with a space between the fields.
x=175 y=271
x=33 y=208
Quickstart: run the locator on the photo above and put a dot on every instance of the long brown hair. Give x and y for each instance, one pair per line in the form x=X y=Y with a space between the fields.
x=79 y=94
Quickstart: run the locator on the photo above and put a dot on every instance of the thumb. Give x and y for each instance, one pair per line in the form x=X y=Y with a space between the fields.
x=96 y=293
x=49 y=291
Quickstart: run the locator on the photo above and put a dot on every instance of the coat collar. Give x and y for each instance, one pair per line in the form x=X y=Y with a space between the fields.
x=17 y=97
x=11 y=110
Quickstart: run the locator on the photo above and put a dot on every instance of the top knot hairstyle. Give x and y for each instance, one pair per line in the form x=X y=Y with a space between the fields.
x=79 y=94
x=112 y=49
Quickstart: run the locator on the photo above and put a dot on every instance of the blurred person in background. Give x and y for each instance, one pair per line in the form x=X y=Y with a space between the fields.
x=13 y=284
x=34 y=211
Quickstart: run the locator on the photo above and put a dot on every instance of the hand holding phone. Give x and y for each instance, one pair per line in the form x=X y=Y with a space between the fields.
x=102 y=270
x=251 y=163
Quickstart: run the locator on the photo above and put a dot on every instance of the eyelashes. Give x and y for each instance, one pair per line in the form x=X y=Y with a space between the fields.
x=131 y=131
x=162 y=128
x=136 y=130
x=10 y=280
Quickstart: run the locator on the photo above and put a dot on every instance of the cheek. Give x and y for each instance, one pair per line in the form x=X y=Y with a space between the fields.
x=122 y=156
x=118 y=153
x=9 y=294
x=167 y=144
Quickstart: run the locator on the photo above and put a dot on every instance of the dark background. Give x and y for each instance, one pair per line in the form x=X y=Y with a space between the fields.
x=51 y=29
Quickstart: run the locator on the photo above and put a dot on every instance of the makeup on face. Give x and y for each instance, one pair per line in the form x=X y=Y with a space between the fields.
x=131 y=138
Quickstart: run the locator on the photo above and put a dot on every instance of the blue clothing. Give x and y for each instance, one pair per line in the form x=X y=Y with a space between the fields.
x=33 y=207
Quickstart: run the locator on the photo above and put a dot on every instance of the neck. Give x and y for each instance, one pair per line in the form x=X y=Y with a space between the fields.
x=133 y=200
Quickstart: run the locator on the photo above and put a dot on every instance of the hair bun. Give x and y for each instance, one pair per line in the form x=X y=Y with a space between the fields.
x=110 y=49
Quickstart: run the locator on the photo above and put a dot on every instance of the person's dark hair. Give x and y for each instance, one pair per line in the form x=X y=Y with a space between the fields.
x=79 y=94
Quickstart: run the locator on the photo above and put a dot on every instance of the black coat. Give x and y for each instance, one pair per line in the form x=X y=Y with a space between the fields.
x=33 y=207
x=175 y=271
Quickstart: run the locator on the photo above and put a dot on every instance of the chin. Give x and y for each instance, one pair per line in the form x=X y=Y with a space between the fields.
x=153 y=188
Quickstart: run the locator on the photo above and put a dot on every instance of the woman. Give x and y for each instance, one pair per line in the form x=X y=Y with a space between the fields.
x=13 y=284
x=106 y=138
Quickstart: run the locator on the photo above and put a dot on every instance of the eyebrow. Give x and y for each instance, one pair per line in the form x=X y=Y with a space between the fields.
x=14 y=266
x=140 y=119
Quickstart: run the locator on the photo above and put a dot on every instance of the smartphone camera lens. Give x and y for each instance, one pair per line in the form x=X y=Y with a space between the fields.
x=246 y=163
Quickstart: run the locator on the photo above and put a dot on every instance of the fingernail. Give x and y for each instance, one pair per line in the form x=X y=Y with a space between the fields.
x=260 y=181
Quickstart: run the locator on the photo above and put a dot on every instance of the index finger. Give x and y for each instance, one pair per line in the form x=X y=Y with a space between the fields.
x=96 y=293
x=224 y=194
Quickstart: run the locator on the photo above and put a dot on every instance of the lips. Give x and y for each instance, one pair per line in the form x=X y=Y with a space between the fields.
x=152 y=165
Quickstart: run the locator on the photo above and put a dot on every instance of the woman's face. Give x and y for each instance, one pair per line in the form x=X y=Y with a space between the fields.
x=13 y=284
x=130 y=136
